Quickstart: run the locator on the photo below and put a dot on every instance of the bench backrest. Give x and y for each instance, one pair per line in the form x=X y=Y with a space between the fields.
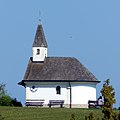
x=56 y=101
x=92 y=101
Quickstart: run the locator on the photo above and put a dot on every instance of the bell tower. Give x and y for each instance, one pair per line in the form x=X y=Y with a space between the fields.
x=39 y=48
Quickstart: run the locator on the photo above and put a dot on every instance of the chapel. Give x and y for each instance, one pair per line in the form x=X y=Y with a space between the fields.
x=53 y=81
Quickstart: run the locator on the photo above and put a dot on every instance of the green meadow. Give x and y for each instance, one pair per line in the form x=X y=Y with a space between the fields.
x=25 y=113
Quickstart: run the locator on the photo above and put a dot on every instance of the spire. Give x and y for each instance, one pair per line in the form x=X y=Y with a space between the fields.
x=39 y=40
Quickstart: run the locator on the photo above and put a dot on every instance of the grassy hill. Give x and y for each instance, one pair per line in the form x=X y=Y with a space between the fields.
x=24 y=113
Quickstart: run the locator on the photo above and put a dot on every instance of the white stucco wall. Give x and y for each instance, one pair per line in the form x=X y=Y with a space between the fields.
x=81 y=92
x=41 y=56
x=46 y=91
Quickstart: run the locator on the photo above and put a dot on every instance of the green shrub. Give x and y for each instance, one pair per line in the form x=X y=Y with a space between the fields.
x=91 y=116
x=5 y=101
x=8 y=101
x=72 y=116
x=16 y=103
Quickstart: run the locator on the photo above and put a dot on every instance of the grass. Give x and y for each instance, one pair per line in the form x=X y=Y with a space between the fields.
x=24 y=113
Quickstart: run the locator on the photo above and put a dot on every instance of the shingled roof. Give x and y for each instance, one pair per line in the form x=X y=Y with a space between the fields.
x=39 y=40
x=58 y=68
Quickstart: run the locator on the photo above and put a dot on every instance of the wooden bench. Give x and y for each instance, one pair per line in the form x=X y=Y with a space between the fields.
x=56 y=102
x=93 y=104
x=34 y=102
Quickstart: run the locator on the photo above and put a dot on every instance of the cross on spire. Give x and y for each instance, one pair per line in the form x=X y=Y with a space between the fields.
x=40 y=18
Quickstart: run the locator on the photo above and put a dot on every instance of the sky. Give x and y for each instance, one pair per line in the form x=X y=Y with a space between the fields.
x=88 y=30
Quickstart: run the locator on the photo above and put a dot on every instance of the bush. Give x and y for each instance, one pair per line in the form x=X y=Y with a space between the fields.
x=5 y=101
x=91 y=116
x=16 y=103
x=73 y=116
x=8 y=101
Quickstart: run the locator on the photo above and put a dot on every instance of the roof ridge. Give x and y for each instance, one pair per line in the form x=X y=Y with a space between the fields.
x=60 y=57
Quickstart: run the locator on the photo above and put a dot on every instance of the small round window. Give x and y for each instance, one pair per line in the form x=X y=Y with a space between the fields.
x=33 y=89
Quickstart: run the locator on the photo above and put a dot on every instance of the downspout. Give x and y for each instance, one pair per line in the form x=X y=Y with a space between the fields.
x=70 y=95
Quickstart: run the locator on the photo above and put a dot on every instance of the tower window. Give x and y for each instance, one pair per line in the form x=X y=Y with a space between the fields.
x=38 y=51
x=58 y=90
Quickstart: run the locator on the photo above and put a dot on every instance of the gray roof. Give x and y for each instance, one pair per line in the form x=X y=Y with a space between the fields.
x=58 y=68
x=39 y=40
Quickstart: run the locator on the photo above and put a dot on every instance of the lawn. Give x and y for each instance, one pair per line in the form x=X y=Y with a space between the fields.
x=24 y=113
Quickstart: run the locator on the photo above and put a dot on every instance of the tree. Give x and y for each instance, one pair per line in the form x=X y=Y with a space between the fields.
x=2 y=90
x=6 y=101
x=108 y=94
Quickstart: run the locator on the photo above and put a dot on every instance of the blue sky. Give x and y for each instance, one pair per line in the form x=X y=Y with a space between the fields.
x=86 y=29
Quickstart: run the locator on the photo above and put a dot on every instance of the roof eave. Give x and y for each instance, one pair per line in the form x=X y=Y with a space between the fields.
x=22 y=83
x=97 y=81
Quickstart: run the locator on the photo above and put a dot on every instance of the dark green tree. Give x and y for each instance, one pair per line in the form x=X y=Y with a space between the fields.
x=6 y=101
x=2 y=93
x=108 y=94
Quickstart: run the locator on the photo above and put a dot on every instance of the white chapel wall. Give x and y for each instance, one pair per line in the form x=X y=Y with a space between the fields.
x=82 y=93
x=46 y=92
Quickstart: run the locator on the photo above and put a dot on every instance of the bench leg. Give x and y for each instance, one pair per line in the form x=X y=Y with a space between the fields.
x=49 y=106
x=61 y=105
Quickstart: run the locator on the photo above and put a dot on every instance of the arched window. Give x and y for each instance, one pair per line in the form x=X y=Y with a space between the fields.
x=38 y=51
x=58 y=90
